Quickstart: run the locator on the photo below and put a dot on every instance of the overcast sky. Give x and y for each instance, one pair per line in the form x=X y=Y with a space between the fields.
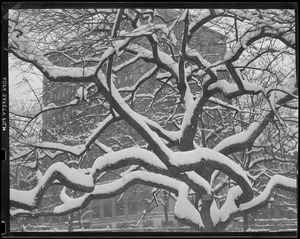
x=19 y=89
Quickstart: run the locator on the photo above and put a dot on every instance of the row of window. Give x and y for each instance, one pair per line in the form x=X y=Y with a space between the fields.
x=119 y=209
x=127 y=79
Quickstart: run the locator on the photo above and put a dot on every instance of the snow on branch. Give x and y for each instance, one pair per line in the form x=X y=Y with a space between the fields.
x=102 y=146
x=191 y=160
x=140 y=81
x=184 y=210
x=230 y=89
x=231 y=209
x=116 y=187
x=171 y=136
x=228 y=208
x=237 y=138
x=137 y=122
x=74 y=180
x=77 y=150
x=277 y=181
x=244 y=138
x=183 y=207
x=22 y=48
x=200 y=181
x=100 y=128
x=224 y=104
x=126 y=157
x=79 y=181
x=233 y=53
x=34 y=112
x=127 y=63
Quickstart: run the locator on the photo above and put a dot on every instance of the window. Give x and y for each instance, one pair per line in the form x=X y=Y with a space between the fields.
x=96 y=209
x=120 y=208
x=146 y=205
x=167 y=205
x=132 y=207
x=64 y=218
x=107 y=209
x=166 y=199
x=55 y=219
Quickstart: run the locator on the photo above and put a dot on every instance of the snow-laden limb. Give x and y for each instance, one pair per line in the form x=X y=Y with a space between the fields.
x=51 y=71
x=184 y=210
x=171 y=136
x=237 y=138
x=194 y=53
x=101 y=126
x=34 y=112
x=102 y=146
x=232 y=89
x=164 y=60
x=16 y=212
x=264 y=159
x=191 y=106
x=21 y=46
x=77 y=150
x=142 y=51
x=130 y=169
x=128 y=157
x=26 y=213
x=231 y=209
x=277 y=181
x=140 y=81
x=74 y=180
x=233 y=53
x=197 y=158
x=134 y=119
x=127 y=63
x=224 y=104
x=277 y=93
x=77 y=180
x=196 y=178
x=116 y=187
x=228 y=208
x=49 y=154
x=243 y=139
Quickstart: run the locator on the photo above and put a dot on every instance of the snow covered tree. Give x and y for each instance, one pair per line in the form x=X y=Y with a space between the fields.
x=219 y=145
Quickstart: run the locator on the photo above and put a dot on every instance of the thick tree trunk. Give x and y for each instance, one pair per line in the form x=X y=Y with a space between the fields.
x=207 y=200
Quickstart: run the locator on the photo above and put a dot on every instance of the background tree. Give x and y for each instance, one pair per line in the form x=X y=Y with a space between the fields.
x=217 y=144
